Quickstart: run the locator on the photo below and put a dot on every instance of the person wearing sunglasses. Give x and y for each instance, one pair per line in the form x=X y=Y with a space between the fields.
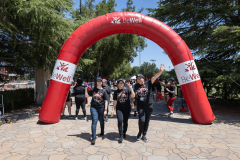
x=143 y=92
x=122 y=105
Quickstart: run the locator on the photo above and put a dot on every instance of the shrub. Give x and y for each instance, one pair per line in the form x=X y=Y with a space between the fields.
x=15 y=99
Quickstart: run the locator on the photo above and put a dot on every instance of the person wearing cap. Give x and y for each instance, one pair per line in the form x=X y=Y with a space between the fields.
x=109 y=92
x=143 y=92
x=80 y=99
x=171 y=90
x=98 y=108
x=122 y=105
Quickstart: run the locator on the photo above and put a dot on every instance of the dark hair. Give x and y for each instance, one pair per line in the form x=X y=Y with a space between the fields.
x=79 y=81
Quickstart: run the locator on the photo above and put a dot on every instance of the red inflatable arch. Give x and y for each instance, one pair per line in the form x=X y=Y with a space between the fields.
x=126 y=22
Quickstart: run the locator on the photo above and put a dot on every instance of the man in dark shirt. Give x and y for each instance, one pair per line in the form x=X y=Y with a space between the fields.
x=143 y=92
x=109 y=92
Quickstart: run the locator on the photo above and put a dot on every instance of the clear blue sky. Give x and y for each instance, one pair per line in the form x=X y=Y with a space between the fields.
x=152 y=51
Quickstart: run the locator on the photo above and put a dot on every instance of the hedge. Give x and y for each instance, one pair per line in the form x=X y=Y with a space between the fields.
x=15 y=99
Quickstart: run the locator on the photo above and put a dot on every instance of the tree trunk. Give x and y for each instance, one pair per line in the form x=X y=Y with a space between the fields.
x=41 y=78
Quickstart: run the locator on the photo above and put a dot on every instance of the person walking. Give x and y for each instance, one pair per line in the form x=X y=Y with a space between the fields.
x=143 y=92
x=122 y=105
x=68 y=104
x=98 y=108
x=171 y=90
x=80 y=98
x=109 y=92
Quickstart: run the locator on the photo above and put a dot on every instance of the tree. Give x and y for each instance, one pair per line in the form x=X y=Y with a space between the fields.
x=148 y=69
x=134 y=71
x=107 y=56
x=211 y=30
x=208 y=27
x=32 y=32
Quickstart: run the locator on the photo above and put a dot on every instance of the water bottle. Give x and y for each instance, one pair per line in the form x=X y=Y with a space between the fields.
x=0 y=113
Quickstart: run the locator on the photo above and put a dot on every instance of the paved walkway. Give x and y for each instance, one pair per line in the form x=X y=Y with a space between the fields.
x=169 y=139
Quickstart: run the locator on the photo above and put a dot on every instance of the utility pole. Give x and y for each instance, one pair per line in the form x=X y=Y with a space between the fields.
x=80 y=8
x=169 y=68
x=139 y=50
x=81 y=19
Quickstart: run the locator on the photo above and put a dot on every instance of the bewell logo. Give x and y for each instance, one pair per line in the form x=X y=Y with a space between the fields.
x=116 y=20
x=62 y=67
x=63 y=71
x=190 y=66
x=61 y=77
x=187 y=72
x=132 y=20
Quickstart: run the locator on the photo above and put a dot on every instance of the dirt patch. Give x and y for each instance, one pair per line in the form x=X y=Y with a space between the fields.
x=226 y=108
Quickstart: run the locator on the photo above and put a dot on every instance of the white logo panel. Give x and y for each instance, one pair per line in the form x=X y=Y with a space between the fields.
x=118 y=20
x=63 y=71
x=187 y=72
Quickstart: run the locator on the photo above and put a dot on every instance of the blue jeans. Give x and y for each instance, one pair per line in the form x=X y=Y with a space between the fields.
x=97 y=114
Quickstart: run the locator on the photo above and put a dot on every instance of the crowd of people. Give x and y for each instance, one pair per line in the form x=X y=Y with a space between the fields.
x=129 y=94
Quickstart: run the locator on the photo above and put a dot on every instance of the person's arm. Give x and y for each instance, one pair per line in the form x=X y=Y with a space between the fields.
x=158 y=74
x=105 y=97
x=113 y=108
x=86 y=92
x=105 y=109
x=131 y=89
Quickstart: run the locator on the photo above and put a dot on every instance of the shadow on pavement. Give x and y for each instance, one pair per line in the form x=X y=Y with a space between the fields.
x=86 y=136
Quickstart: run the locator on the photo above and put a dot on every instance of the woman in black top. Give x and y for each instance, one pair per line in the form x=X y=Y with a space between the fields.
x=98 y=108
x=143 y=90
x=80 y=98
x=171 y=90
x=122 y=105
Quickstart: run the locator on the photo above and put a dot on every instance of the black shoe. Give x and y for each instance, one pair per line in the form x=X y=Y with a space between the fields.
x=144 y=139
x=124 y=135
x=138 y=136
x=93 y=141
x=101 y=135
x=63 y=116
x=120 y=139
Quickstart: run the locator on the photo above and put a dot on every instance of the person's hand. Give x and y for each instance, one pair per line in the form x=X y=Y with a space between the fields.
x=129 y=84
x=112 y=113
x=162 y=67
x=105 y=113
x=132 y=105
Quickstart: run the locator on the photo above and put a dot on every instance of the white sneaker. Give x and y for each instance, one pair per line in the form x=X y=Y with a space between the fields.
x=85 y=118
x=76 y=118
x=171 y=115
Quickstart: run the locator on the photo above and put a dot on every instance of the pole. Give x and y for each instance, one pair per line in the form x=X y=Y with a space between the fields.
x=80 y=8
x=139 y=50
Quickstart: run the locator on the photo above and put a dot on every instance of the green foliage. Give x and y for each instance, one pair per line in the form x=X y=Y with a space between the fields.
x=211 y=30
x=134 y=71
x=216 y=81
x=15 y=99
x=32 y=32
x=148 y=69
x=110 y=56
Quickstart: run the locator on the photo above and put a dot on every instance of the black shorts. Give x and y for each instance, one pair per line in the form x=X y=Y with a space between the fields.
x=68 y=99
x=135 y=102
